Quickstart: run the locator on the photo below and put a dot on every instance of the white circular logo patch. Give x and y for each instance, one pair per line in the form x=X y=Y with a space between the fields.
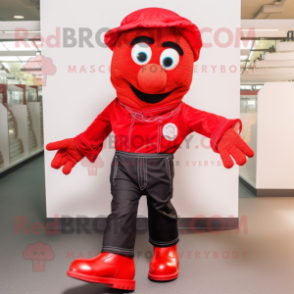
x=170 y=131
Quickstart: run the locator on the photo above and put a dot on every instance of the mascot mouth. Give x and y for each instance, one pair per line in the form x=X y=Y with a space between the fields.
x=149 y=98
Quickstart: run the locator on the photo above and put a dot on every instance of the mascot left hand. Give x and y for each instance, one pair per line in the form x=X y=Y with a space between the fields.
x=231 y=144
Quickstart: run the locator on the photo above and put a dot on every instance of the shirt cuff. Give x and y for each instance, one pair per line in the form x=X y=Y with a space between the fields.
x=218 y=133
x=91 y=151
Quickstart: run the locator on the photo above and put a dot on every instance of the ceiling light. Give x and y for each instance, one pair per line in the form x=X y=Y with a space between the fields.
x=261 y=30
x=266 y=30
x=18 y=17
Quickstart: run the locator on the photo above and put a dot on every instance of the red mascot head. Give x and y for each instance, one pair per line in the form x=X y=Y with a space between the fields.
x=153 y=54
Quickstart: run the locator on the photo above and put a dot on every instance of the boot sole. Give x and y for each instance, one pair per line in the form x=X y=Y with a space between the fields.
x=163 y=278
x=109 y=282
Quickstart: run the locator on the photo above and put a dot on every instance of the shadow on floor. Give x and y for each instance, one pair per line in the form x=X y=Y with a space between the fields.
x=94 y=289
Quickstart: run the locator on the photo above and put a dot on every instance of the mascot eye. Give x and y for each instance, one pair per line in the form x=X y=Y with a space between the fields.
x=141 y=53
x=169 y=59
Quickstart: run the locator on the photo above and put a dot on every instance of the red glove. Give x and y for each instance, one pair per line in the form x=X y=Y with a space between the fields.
x=67 y=154
x=232 y=144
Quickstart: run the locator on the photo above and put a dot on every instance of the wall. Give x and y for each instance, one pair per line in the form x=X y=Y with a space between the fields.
x=275 y=141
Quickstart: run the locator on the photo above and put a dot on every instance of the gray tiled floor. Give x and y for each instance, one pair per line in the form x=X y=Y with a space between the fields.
x=258 y=261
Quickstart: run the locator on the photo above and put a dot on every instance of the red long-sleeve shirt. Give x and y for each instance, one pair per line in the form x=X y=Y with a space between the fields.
x=157 y=130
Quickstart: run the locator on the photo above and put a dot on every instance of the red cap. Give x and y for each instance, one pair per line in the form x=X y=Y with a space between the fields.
x=157 y=18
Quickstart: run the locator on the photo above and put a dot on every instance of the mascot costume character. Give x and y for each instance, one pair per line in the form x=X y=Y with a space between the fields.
x=154 y=51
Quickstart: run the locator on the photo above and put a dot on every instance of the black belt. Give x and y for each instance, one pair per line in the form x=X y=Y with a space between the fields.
x=144 y=155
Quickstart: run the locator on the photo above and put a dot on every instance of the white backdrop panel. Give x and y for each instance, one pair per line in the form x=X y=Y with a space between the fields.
x=73 y=100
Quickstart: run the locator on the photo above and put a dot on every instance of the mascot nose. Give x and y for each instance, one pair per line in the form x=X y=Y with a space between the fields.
x=152 y=78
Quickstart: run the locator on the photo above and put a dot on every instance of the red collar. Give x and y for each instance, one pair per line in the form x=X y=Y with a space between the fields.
x=152 y=111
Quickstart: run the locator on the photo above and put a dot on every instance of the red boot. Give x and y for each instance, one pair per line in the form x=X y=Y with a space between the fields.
x=164 y=265
x=112 y=270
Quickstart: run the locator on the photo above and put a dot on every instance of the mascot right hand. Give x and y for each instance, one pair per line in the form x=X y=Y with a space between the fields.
x=67 y=155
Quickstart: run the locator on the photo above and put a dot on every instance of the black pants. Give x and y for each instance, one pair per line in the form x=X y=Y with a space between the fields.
x=134 y=175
